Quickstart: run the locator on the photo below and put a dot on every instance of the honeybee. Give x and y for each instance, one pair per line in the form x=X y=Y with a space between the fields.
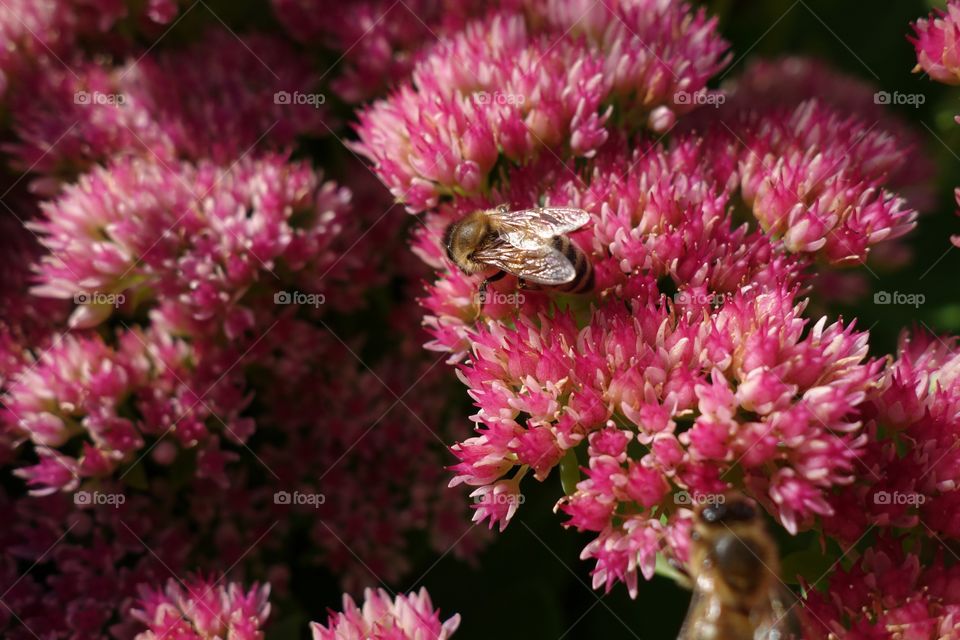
x=530 y=244
x=734 y=564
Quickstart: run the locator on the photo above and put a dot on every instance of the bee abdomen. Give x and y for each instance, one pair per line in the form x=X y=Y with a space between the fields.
x=583 y=280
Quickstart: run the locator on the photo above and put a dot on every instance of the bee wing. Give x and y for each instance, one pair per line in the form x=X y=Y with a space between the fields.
x=529 y=228
x=540 y=265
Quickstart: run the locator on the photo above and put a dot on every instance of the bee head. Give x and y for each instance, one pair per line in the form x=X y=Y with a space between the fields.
x=464 y=236
x=733 y=509
x=730 y=541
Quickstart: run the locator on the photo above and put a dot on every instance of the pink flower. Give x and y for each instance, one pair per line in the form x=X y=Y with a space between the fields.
x=38 y=32
x=404 y=617
x=112 y=397
x=909 y=467
x=887 y=593
x=815 y=179
x=935 y=40
x=194 y=239
x=499 y=88
x=202 y=609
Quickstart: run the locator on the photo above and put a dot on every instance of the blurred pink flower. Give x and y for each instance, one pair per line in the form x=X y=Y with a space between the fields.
x=218 y=99
x=39 y=31
x=378 y=40
x=403 y=617
x=935 y=39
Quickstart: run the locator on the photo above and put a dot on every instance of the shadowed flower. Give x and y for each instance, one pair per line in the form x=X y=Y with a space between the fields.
x=888 y=593
x=217 y=99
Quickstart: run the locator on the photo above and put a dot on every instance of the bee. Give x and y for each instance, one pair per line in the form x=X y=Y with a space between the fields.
x=734 y=564
x=530 y=244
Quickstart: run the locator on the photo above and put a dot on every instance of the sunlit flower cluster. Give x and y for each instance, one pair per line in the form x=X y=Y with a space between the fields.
x=691 y=368
x=516 y=88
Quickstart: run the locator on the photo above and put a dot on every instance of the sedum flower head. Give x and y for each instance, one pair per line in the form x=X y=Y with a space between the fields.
x=202 y=609
x=517 y=87
x=935 y=39
x=403 y=617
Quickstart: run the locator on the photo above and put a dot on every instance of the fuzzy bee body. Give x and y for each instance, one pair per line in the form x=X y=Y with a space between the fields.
x=530 y=244
x=734 y=564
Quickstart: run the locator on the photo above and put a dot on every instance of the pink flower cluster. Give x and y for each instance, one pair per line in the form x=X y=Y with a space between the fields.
x=203 y=609
x=404 y=617
x=200 y=236
x=747 y=386
x=691 y=368
x=512 y=88
x=935 y=39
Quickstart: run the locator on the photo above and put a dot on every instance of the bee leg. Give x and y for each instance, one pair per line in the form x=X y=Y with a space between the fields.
x=486 y=281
